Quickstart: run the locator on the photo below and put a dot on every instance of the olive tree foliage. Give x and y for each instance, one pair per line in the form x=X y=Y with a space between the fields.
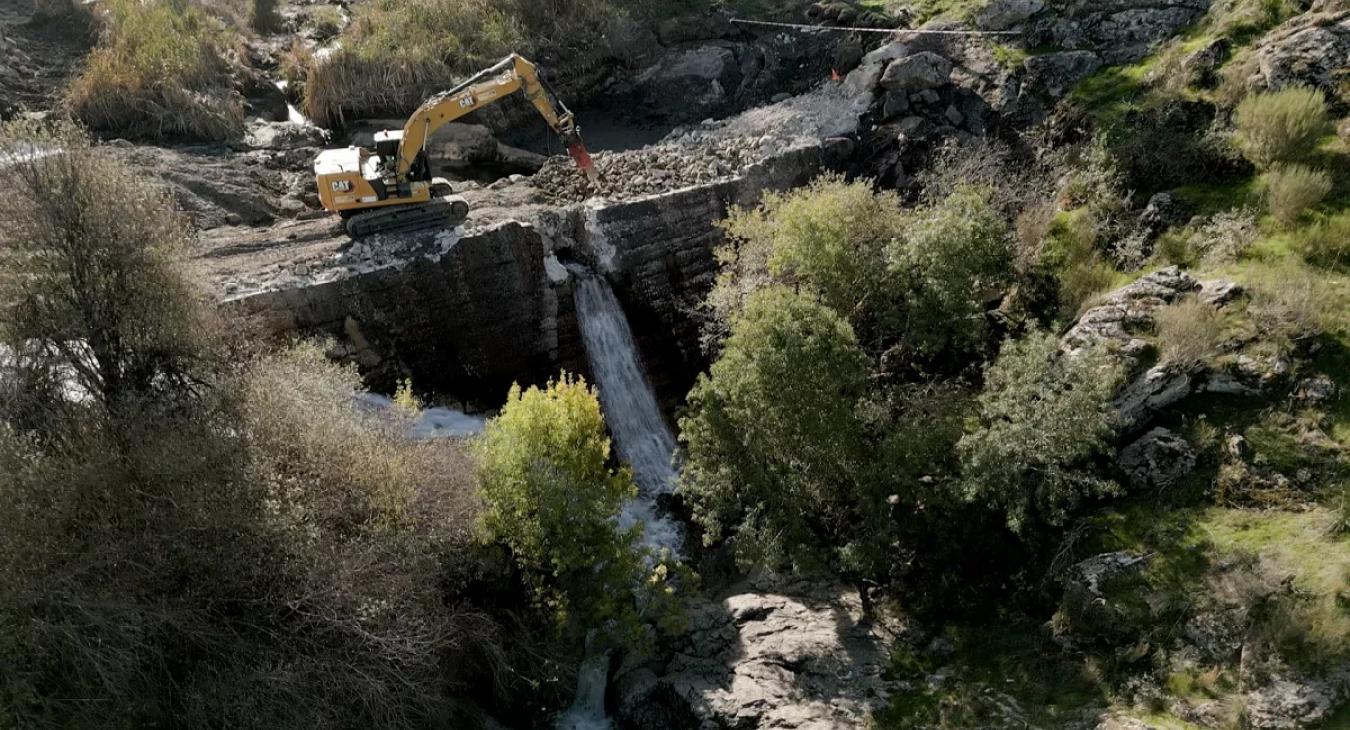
x=189 y=540
x=776 y=449
x=830 y=237
x=912 y=281
x=550 y=496
x=952 y=256
x=1043 y=417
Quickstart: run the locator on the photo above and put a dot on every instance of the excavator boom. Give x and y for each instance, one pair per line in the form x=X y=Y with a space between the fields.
x=362 y=184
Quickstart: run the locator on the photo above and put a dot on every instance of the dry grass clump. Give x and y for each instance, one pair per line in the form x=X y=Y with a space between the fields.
x=161 y=69
x=1292 y=189
x=395 y=54
x=1326 y=242
x=1281 y=126
x=1190 y=332
x=1291 y=302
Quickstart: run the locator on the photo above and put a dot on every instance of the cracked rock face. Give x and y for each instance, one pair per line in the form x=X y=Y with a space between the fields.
x=1158 y=460
x=796 y=658
x=1312 y=49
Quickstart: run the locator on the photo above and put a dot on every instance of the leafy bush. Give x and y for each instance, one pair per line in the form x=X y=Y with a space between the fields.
x=952 y=256
x=1325 y=242
x=775 y=445
x=1190 y=332
x=1071 y=252
x=916 y=279
x=551 y=498
x=830 y=236
x=1292 y=189
x=1281 y=126
x=1043 y=417
x=160 y=70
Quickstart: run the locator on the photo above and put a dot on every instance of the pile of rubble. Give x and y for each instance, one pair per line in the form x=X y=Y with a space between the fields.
x=648 y=171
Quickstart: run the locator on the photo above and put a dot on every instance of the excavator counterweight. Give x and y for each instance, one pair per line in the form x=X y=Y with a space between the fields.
x=391 y=188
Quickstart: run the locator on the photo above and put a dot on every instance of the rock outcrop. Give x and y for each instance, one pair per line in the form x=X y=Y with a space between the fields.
x=1157 y=460
x=794 y=657
x=1312 y=49
x=1101 y=604
x=1120 y=323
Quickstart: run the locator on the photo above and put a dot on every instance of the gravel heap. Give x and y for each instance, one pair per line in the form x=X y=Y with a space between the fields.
x=657 y=169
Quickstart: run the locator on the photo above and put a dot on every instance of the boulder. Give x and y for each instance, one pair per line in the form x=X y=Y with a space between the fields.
x=1103 y=602
x=1296 y=703
x=1157 y=460
x=921 y=71
x=1316 y=390
x=894 y=104
x=1121 y=31
x=457 y=147
x=769 y=656
x=1054 y=74
x=1163 y=211
x=1312 y=49
x=1202 y=67
x=1005 y=14
x=283 y=136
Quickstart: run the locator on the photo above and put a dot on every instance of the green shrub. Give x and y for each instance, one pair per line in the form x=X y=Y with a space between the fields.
x=1043 y=417
x=1281 y=126
x=830 y=236
x=951 y=256
x=550 y=496
x=1071 y=253
x=1325 y=242
x=1292 y=189
x=161 y=70
x=1190 y=332
x=775 y=445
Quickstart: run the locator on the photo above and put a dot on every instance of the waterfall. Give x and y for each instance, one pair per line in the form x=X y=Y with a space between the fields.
x=641 y=436
x=642 y=439
x=588 y=706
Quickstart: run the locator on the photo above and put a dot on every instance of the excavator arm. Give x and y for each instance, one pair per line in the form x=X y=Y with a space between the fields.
x=485 y=88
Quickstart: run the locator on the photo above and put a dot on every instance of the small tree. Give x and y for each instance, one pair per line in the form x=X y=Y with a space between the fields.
x=1281 y=126
x=952 y=255
x=551 y=498
x=830 y=236
x=1043 y=416
x=775 y=443
x=91 y=284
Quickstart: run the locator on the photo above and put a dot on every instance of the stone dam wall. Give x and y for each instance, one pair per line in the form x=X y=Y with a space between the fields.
x=497 y=306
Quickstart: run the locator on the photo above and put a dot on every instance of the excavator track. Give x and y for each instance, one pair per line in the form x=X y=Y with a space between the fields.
x=446 y=212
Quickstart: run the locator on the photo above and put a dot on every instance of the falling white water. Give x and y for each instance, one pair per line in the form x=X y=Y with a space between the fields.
x=588 y=705
x=293 y=115
x=641 y=435
x=642 y=439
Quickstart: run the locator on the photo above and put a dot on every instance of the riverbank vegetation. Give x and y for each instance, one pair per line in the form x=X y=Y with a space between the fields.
x=201 y=533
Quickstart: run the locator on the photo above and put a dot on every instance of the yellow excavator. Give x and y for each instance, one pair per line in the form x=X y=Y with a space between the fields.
x=391 y=188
